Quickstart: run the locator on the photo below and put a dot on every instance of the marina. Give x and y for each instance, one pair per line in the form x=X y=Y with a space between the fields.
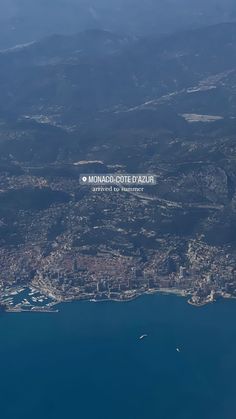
x=27 y=299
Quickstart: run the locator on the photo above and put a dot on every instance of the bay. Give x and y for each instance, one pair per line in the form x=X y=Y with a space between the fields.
x=87 y=361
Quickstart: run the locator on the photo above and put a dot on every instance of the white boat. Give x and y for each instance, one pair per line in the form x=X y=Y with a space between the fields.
x=177 y=349
x=142 y=337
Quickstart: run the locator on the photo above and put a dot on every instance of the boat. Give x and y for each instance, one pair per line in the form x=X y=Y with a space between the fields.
x=177 y=349
x=142 y=337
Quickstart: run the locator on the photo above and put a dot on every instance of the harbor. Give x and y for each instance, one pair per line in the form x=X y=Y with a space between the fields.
x=21 y=299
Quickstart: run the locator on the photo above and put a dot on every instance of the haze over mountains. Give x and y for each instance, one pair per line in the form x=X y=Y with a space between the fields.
x=68 y=79
x=28 y=20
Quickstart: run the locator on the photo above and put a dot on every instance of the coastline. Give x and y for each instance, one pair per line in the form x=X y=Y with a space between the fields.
x=54 y=306
x=200 y=304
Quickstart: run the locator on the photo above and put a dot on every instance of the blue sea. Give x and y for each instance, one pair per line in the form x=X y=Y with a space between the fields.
x=87 y=361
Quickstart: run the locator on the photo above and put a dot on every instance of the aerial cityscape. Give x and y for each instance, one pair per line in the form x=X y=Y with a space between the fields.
x=93 y=248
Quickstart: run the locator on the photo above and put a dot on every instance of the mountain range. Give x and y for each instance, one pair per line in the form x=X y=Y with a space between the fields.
x=101 y=82
x=165 y=105
x=28 y=20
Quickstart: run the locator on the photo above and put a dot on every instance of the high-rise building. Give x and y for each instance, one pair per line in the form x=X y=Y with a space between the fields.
x=182 y=272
